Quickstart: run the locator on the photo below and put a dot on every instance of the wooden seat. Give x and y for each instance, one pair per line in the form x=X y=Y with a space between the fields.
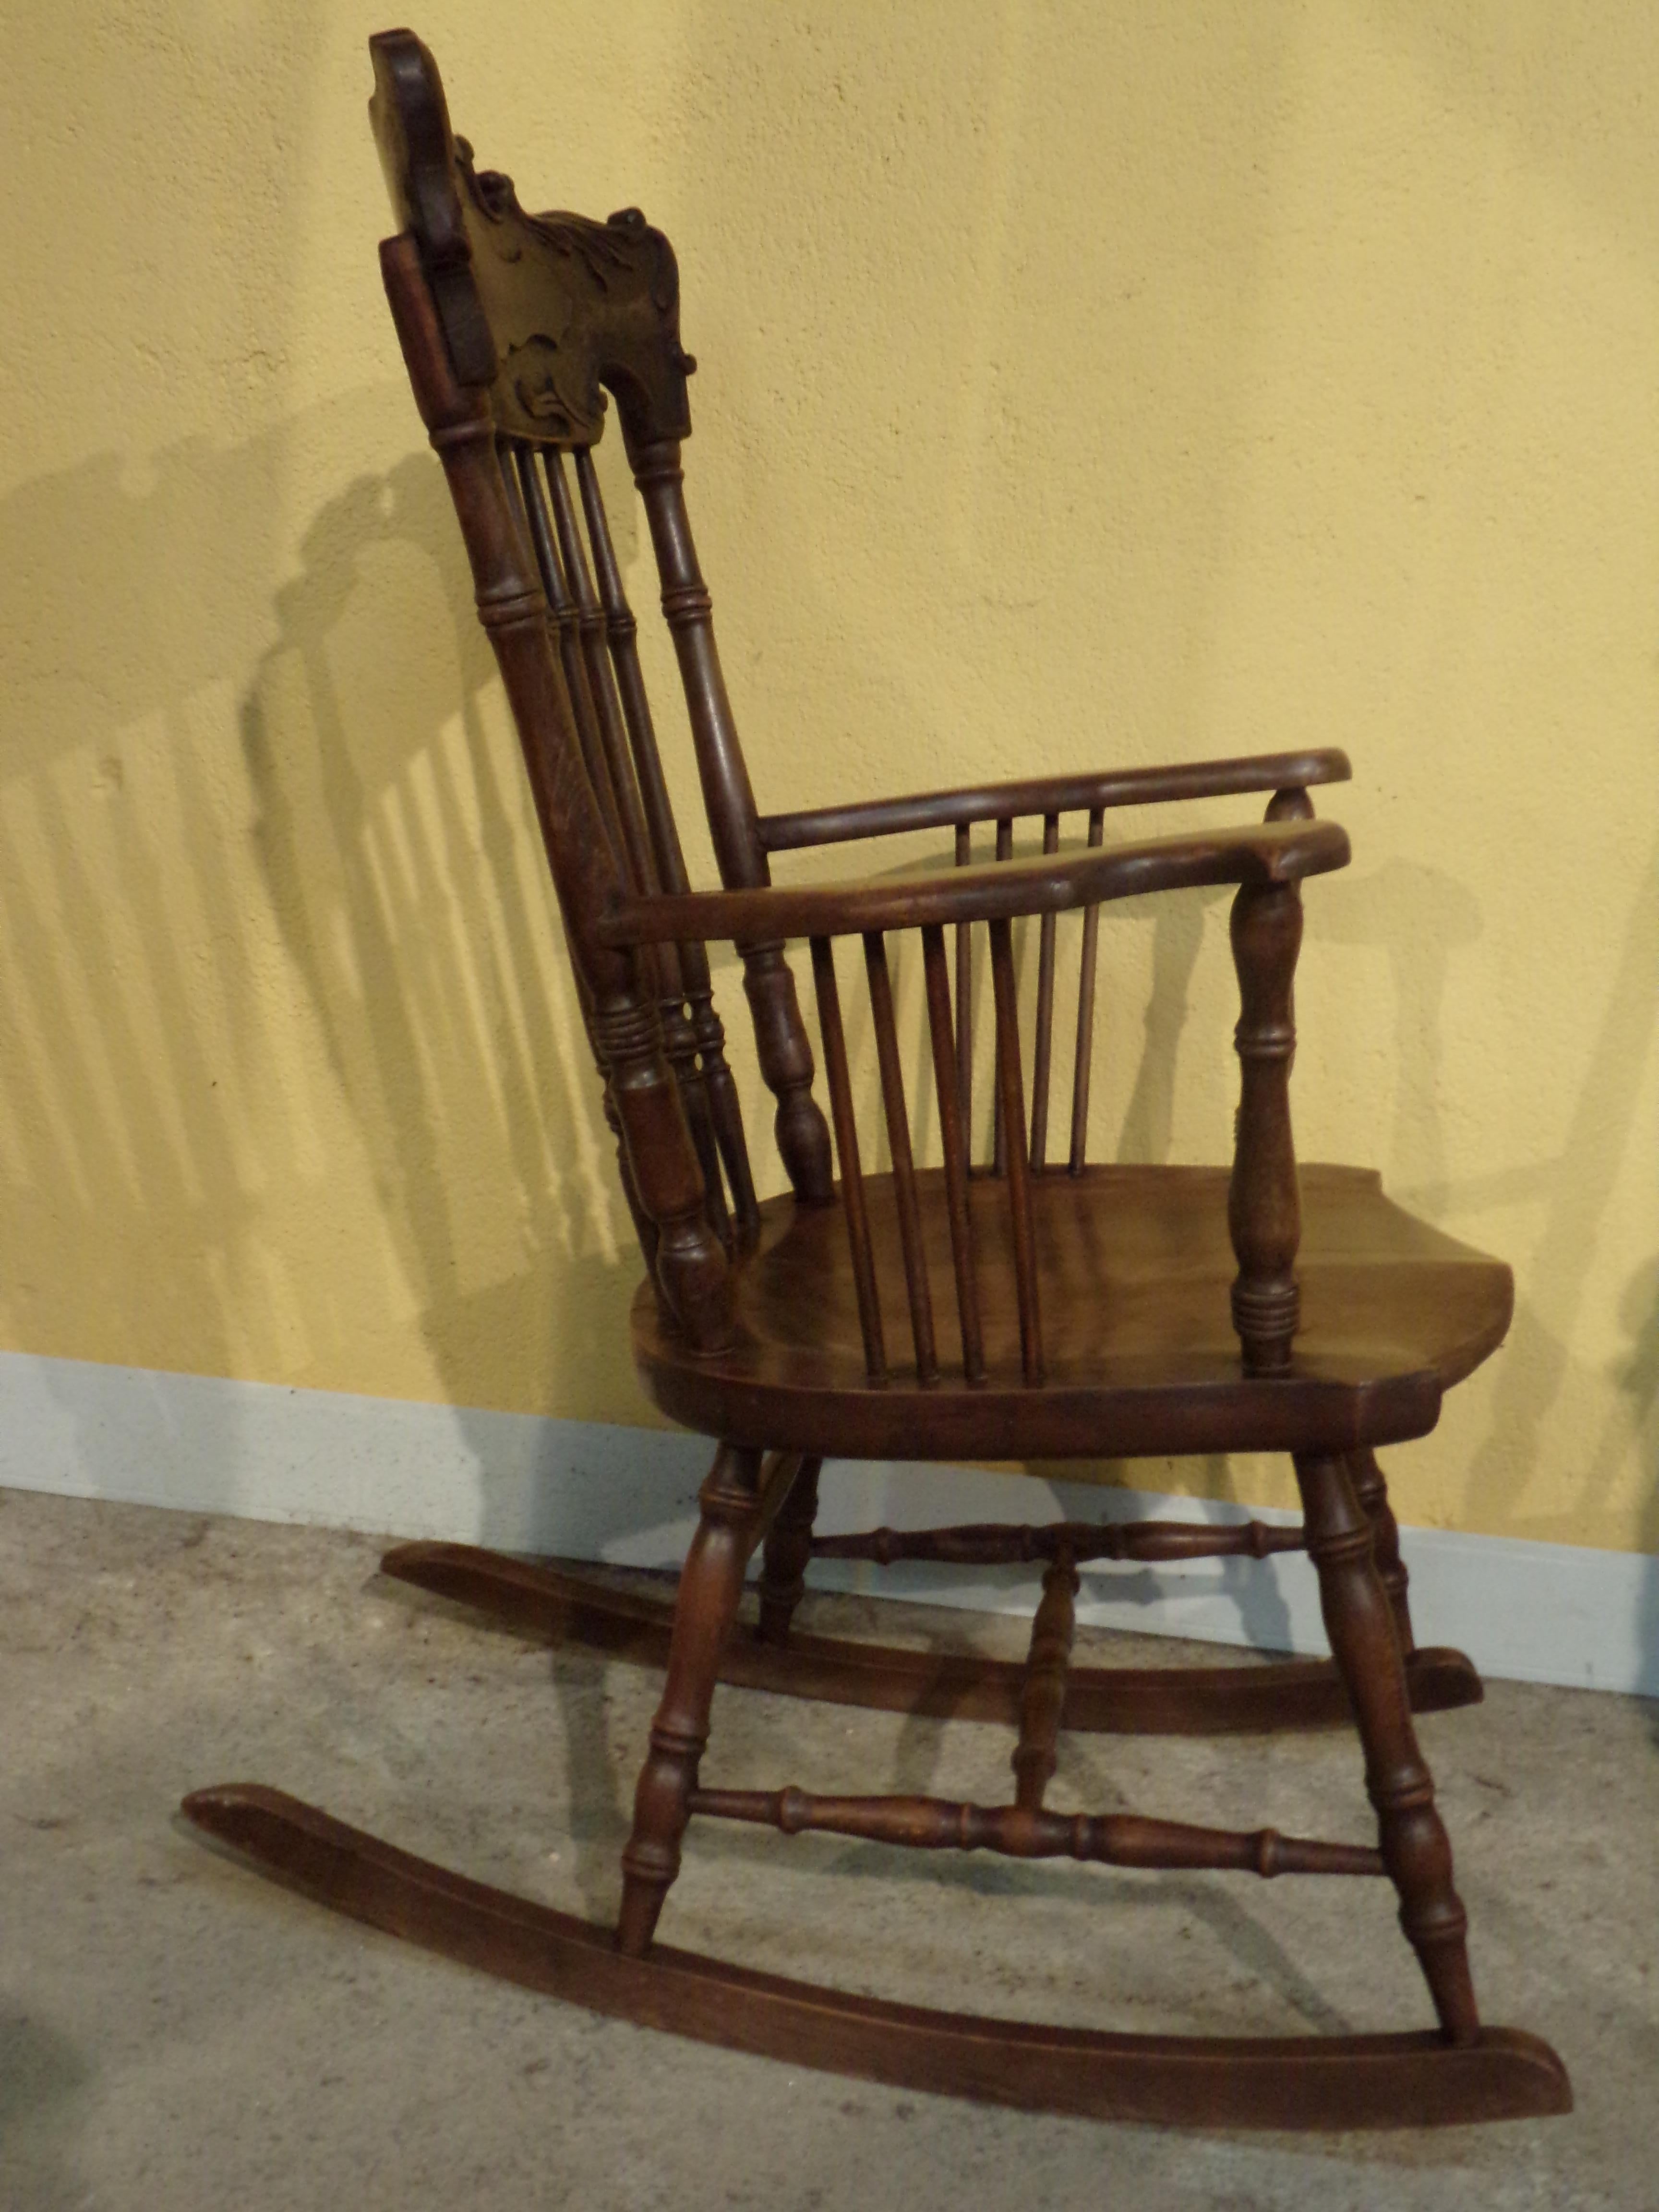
x=1135 y=1267
x=992 y=1302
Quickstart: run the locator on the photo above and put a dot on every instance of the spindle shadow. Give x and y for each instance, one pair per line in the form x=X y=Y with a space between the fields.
x=178 y=1049
x=1577 y=1187
x=1635 y=1424
x=394 y=837
x=1420 y=919
x=142 y=1058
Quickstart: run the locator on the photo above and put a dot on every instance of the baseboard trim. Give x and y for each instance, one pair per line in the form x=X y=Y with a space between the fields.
x=1529 y=1612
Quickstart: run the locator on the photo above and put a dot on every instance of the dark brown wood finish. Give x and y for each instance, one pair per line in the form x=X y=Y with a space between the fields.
x=786 y=1057
x=950 y=1088
x=1045 y=1016
x=1359 y=1621
x=1083 y=1062
x=905 y=1173
x=846 y=1144
x=1005 y=852
x=787 y=1553
x=1103 y=1312
x=1002 y=1543
x=964 y=858
x=1263 y=1202
x=1024 y=1831
x=1289 y=772
x=556 y=1602
x=711 y=1580
x=1042 y=1698
x=1011 y=1096
x=1411 y=2080
x=620 y=631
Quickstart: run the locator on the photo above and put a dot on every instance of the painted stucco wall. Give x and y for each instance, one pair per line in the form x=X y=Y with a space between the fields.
x=1078 y=385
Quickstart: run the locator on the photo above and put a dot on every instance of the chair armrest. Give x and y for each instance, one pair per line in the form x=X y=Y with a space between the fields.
x=1054 y=794
x=1261 y=854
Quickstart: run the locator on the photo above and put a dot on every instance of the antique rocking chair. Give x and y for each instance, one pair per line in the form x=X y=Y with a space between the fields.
x=1098 y=1310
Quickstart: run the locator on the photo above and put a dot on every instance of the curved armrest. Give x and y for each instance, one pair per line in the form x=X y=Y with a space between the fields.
x=1054 y=794
x=1262 y=854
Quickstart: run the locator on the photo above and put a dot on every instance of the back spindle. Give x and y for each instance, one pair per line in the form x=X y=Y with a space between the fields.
x=1045 y=1017
x=575 y=614
x=1004 y=850
x=589 y=625
x=1085 y=1015
x=904 y=1172
x=1264 y=1212
x=954 y=1139
x=846 y=1145
x=965 y=995
x=530 y=504
x=1010 y=1092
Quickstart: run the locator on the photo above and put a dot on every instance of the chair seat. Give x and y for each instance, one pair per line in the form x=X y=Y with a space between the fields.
x=1134 y=1268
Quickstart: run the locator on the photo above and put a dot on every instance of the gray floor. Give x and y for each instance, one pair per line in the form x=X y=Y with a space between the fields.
x=174 y=2032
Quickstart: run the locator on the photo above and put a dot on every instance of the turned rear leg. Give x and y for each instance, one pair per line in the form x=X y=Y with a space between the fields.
x=710 y=1585
x=1359 y=1621
x=788 y=1550
x=1372 y=1492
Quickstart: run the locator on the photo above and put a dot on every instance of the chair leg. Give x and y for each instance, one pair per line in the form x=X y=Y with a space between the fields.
x=1372 y=1492
x=788 y=1549
x=710 y=1585
x=1360 y=1623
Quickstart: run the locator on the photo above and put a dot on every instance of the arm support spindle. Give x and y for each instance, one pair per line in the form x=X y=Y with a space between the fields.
x=1264 y=1212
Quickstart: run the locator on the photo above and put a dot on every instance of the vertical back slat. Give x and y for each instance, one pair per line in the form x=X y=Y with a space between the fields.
x=596 y=665
x=1043 y=1051
x=953 y=1134
x=558 y=556
x=689 y=1269
x=846 y=1145
x=1010 y=1091
x=679 y=1030
x=965 y=997
x=904 y=1172
x=532 y=505
x=622 y=637
x=1004 y=850
x=1085 y=1015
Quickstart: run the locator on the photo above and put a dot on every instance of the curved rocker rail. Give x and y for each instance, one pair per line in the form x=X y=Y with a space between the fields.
x=548 y=1600
x=1298 y=2082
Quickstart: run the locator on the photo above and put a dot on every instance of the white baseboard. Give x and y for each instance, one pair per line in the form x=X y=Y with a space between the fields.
x=1542 y=1613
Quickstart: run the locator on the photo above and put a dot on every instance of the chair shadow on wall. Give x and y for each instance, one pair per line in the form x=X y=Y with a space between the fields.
x=164 y=1116
x=1577 y=1187
x=400 y=856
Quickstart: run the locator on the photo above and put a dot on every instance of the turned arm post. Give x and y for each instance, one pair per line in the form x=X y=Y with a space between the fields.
x=1264 y=1211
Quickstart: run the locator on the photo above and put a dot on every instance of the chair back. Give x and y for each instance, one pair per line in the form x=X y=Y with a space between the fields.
x=537 y=318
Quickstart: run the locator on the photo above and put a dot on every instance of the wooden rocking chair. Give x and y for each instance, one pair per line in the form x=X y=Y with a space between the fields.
x=1048 y=1310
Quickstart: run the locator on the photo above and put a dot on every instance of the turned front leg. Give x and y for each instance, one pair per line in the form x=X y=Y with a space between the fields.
x=710 y=1585
x=1416 y=1850
x=1264 y=1206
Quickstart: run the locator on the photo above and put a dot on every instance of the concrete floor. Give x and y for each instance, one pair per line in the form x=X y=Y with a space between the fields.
x=175 y=2032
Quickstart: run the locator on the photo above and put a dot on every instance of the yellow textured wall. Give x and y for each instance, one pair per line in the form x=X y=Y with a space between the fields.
x=1079 y=384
